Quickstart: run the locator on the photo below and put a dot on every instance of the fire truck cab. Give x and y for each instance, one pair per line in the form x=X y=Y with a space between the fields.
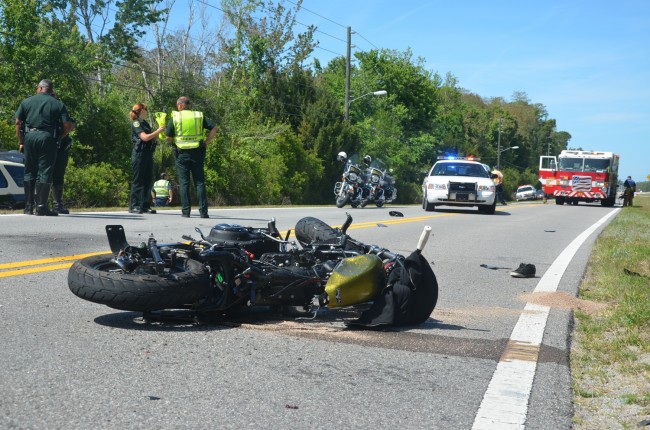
x=580 y=176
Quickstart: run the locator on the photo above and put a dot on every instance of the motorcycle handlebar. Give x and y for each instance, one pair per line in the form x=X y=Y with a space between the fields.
x=424 y=237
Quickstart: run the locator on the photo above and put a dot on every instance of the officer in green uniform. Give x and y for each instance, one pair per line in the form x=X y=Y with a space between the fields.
x=185 y=131
x=144 y=144
x=41 y=114
x=62 y=156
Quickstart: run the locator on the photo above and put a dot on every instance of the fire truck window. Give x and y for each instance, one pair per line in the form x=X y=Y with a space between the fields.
x=596 y=165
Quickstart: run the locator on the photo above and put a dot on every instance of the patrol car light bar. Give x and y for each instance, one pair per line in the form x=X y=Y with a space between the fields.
x=454 y=157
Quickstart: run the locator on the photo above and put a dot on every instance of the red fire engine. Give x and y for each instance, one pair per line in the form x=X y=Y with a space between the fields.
x=580 y=176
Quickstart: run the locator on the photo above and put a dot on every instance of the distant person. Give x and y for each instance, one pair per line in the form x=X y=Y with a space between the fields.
x=42 y=116
x=628 y=194
x=498 y=184
x=144 y=144
x=185 y=132
x=60 y=165
x=161 y=192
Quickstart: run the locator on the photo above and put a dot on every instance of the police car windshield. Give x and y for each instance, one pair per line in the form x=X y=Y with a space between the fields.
x=459 y=169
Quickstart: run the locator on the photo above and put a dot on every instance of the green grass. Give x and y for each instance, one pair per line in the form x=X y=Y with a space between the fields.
x=610 y=359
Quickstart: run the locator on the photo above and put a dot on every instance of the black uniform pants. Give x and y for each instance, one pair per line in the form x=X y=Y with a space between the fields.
x=40 y=155
x=191 y=161
x=142 y=165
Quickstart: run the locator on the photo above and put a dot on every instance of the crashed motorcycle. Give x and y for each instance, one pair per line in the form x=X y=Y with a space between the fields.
x=236 y=267
x=380 y=186
x=352 y=188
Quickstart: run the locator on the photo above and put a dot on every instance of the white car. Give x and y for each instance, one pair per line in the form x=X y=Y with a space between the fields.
x=12 y=169
x=526 y=192
x=460 y=182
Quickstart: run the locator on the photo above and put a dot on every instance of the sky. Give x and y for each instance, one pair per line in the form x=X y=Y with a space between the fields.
x=586 y=61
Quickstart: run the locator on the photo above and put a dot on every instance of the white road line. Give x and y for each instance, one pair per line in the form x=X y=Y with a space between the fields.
x=505 y=403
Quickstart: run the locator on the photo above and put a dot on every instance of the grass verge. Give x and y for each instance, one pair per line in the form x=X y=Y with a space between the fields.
x=610 y=354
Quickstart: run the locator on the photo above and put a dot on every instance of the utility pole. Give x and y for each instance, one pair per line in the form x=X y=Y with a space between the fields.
x=499 y=145
x=347 y=76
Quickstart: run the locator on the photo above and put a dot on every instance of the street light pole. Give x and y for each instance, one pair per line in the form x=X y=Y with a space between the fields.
x=347 y=76
x=349 y=102
x=499 y=145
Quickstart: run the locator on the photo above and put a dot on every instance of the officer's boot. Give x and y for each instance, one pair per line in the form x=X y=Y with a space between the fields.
x=42 y=195
x=57 y=199
x=29 y=197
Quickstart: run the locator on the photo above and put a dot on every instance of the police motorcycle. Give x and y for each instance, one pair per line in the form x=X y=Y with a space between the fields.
x=352 y=187
x=235 y=268
x=380 y=186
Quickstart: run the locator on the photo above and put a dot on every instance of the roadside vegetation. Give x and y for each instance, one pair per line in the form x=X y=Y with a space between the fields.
x=610 y=357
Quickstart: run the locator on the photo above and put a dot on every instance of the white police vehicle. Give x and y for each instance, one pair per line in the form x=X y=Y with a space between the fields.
x=460 y=182
x=12 y=169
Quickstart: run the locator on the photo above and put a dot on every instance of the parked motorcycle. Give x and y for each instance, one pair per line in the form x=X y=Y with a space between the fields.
x=352 y=187
x=380 y=186
x=236 y=267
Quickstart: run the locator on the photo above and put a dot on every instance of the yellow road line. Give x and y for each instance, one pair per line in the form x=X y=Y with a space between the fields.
x=48 y=260
x=35 y=269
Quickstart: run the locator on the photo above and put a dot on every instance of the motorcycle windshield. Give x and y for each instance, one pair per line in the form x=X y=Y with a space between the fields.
x=378 y=164
x=353 y=160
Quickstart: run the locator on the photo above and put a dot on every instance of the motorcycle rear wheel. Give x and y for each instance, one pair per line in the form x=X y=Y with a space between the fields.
x=99 y=279
x=312 y=230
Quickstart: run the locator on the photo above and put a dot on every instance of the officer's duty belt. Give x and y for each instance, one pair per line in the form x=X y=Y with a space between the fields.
x=47 y=130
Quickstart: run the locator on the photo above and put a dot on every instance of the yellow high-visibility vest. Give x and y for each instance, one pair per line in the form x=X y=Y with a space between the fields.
x=188 y=129
x=161 y=188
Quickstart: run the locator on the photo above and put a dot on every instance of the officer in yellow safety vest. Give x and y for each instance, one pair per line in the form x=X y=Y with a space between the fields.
x=185 y=130
x=161 y=192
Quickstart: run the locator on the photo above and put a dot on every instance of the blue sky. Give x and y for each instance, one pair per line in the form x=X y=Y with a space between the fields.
x=587 y=61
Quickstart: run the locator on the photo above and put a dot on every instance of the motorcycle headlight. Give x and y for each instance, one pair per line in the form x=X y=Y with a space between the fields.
x=374 y=179
x=352 y=176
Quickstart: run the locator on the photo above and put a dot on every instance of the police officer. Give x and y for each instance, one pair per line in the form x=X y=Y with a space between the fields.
x=144 y=144
x=161 y=192
x=498 y=184
x=186 y=131
x=60 y=165
x=41 y=114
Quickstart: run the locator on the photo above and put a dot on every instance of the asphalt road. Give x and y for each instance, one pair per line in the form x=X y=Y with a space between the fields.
x=68 y=363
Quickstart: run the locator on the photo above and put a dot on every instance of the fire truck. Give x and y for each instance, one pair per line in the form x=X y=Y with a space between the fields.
x=580 y=176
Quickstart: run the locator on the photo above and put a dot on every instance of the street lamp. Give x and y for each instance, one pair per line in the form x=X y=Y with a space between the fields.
x=372 y=93
x=502 y=150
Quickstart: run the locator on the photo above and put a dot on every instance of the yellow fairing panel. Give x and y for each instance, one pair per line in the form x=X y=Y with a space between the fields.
x=356 y=280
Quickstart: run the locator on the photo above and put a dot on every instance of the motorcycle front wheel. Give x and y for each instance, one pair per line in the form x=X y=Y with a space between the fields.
x=342 y=200
x=99 y=279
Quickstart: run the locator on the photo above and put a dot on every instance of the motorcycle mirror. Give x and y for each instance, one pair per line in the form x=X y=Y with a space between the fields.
x=198 y=230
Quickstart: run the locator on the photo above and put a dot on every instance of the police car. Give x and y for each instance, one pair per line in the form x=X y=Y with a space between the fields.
x=460 y=182
x=12 y=170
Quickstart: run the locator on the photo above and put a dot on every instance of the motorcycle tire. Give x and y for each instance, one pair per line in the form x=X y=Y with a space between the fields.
x=342 y=200
x=99 y=279
x=312 y=230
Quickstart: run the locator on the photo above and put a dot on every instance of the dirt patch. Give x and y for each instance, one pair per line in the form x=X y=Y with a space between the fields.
x=463 y=315
x=562 y=300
